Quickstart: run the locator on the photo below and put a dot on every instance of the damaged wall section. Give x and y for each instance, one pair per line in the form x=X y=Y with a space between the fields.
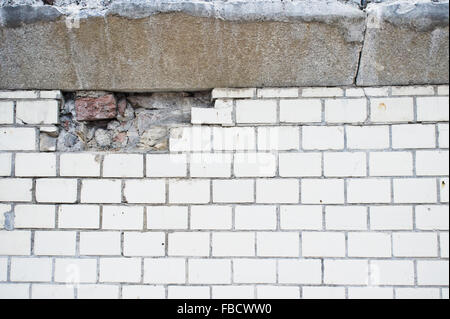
x=127 y=122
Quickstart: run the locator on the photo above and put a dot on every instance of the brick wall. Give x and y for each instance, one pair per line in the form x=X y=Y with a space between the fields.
x=273 y=193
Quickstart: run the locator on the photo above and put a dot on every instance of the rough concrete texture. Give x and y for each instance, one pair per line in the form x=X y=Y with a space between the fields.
x=405 y=43
x=196 y=45
x=141 y=123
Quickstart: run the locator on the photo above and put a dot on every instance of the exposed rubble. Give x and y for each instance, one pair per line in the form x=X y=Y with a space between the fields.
x=92 y=120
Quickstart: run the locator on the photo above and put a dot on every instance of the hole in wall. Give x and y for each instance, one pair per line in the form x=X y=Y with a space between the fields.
x=111 y=121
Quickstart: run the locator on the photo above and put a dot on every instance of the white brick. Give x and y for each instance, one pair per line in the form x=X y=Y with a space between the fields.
x=392 y=272
x=277 y=292
x=15 y=242
x=222 y=115
x=301 y=111
x=432 y=163
x=367 y=137
x=412 y=90
x=79 y=216
x=19 y=94
x=244 y=271
x=15 y=190
x=255 y=217
x=17 y=139
x=3 y=268
x=187 y=292
x=391 y=164
x=346 y=272
x=346 y=217
x=54 y=94
x=98 y=292
x=323 y=244
x=31 y=269
x=6 y=112
x=233 y=292
x=34 y=216
x=233 y=191
x=123 y=217
x=323 y=137
x=345 y=110
x=278 y=244
x=37 y=112
x=300 y=271
x=415 y=190
x=277 y=92
x=300 y=164
x=166 y=165
x=432 y=217
x=189 y=191
x=432 y=272
x=445 y=293
x=442 y=90
x=196 y=138
x=52 y=292
x=365 y=244
x=411 y=244
x=211 y=217
x=236 y=244
x=391 y=217
x=210 y=164
x=59 y=243
x=323 y=293
x=413 y=136
x=100 y=243
x=232 y=93
x=281 y=138
x=388 y=110
x=35 y=164
x=417 y=293
x=101 y=191
x=209 y=271
x=432 y=108
x=5 y=164
x=53 y=190
x=14 y=291
x=234 y=138
x=79 y=165
x=369 y=191
x=444 y=182
x=344 y=164
x=256 y=111
x=444 y=244
x=277 y=190
x=254 y=164
x=123 y=165
x=140 y=191
x=3 y=210
x=165 y=271
x=322 y=92
x=301 y=217
x=188 y=244
x=354 y=92
x=443 y=135
x=167 y=217
x=380 y=91
x=143 y=292
x=318 y=191
x=120 y=270
x=370 y=293
x=74 y=271
x=144 y=244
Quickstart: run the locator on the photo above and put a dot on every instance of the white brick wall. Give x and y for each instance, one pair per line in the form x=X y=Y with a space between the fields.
x=312 y=193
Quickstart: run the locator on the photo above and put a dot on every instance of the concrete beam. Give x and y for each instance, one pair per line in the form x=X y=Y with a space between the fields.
x=183 y=45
